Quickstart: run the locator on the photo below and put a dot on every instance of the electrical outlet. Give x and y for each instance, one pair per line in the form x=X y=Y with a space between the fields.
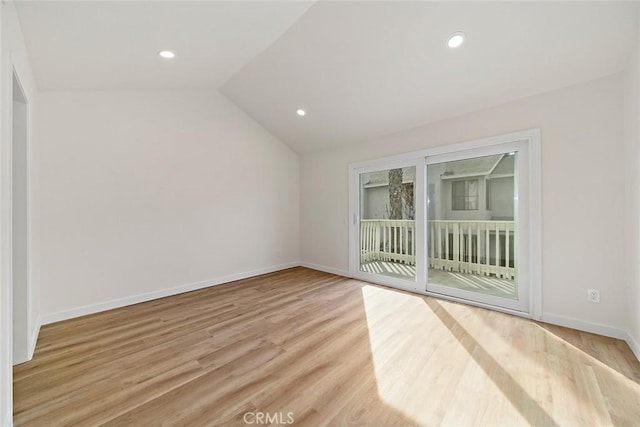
x=593 y=295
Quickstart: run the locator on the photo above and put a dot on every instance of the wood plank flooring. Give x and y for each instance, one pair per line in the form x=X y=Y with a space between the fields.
x=328 y=350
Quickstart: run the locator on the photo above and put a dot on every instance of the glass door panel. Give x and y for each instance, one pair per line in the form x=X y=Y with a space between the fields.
x=387 y=227
x=472 y=229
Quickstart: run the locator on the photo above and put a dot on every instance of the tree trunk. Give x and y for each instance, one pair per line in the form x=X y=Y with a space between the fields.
x=395 y=200
x=407 y=200
x=395 y=193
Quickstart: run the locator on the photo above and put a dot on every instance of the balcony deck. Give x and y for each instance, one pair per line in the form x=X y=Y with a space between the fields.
x=483 y=284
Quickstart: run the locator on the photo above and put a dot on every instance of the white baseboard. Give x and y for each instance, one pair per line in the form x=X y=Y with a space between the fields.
x=33 y=338
x=583 y=325
x=135 y=299
x=326 y=269
x=633 y=345
x=594 y=328
x=555 y=319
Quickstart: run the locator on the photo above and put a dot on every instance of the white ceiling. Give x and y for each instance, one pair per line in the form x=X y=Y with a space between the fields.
x=360 y=69
x=114 y=44
x=365 y=69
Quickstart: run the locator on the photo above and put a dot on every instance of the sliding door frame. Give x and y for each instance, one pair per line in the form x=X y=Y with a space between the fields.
x=522 y=230
x=420 y=228
x=531 y=138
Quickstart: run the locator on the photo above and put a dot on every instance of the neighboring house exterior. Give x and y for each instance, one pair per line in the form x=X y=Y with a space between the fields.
x=480 y=189
x=375 y=203
x=470 y=216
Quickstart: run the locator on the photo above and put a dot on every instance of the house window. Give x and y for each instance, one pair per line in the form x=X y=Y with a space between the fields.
x=464 y=195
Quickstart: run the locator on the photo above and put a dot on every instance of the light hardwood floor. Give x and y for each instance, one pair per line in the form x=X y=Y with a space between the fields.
x=327 y=349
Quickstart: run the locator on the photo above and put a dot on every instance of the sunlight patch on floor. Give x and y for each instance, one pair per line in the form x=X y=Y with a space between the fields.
x=474 y=282
x=412 y=348
x=482 y=367
x=393 y=269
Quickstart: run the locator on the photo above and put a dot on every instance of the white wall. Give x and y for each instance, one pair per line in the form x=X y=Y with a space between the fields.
x=376 y=203
x=631 y=162
x=14 y=54
x=147 y=191
x=582 y=192
x=502 y=198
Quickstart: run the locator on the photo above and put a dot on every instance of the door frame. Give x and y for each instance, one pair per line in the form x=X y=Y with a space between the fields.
x=530 y=137
x=420 y=229
x=22 y=339
x=522 y=229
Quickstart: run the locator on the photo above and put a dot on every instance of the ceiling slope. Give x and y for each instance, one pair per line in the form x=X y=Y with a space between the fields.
x=359 y=69
x=114 y=44
x=362 y=69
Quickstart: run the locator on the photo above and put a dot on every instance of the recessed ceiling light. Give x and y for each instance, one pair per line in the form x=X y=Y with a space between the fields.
x=167 y=54
x=300 y=112
x=455 y=40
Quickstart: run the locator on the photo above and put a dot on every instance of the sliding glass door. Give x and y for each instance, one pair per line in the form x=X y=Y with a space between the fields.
x=473 y=225
x=388 y=201
x=451 y=222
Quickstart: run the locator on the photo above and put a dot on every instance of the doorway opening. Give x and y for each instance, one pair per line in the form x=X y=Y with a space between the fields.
x=19 y=222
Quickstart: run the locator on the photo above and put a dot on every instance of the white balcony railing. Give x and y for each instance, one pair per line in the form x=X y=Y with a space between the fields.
x=388 y=240
x=476 y=247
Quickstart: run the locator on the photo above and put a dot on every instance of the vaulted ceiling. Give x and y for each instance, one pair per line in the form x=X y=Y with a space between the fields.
x=76 y=45
x=359 y=69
